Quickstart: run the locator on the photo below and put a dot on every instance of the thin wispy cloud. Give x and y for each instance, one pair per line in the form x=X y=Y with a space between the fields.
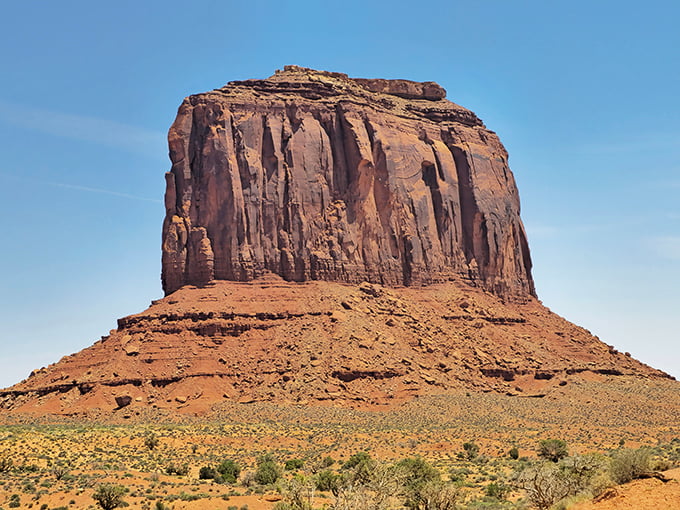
x=78 y=187
x=636 y=143
x=102 y=191
x=543 y=230
x=85 y=128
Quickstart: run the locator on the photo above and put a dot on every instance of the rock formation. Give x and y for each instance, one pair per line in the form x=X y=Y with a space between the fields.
x=336 y=240
x=312 y=175
x=320 y=342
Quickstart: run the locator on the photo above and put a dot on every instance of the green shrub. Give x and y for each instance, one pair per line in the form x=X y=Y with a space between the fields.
x=281 y=505
x=207 y=473
x=360 y=467
x=471 y=450
x=229 y=471
x=627 y=465
x=661 y=465
x=513 y=453
x=293 y=464
x=356 y=459
x=416 y=476
x=109 y=496
x=6 y=463
x=14 y=501
x=176 y=469
x=326 y=480
x=552 y=449
x=459 y=475
x=497 y=490
x=185 y=496
x=417 y=472
x=60 y=472
x=267 y=471
x=151 y=441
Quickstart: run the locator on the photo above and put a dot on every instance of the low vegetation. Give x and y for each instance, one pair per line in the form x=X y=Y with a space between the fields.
x=552 y=449
x=311 y=468
x=109 y=496
x=627 y=465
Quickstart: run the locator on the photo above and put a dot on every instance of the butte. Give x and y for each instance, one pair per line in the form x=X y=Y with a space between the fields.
x=331 y=241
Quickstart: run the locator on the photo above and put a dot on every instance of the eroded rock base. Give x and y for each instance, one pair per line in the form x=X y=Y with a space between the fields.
x=320 y=343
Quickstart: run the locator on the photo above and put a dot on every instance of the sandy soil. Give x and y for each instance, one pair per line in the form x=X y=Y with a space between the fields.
x=648 y=494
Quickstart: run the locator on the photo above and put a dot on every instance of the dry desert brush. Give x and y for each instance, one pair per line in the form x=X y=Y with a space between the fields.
x=109 y=496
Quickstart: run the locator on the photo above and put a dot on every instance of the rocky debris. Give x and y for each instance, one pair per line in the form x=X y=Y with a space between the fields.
x=271 y=340
x=370 y=289
x=123 y=401
x=313 y=175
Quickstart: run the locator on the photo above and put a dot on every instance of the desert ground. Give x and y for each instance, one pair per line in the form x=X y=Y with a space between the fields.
x=467 y=438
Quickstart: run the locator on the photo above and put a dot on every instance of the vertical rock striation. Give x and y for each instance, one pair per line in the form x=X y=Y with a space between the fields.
x=316 y=176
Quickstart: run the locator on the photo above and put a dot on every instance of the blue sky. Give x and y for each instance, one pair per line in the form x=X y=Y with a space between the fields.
x=583 y=94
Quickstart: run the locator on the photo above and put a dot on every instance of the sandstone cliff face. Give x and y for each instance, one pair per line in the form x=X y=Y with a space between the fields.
x=315 y=176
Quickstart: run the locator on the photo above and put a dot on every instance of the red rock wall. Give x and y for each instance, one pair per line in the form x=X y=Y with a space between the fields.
x=312 y=175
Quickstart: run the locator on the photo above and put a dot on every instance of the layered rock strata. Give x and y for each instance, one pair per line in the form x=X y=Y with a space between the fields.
x=313 y=175
x=320 y=343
